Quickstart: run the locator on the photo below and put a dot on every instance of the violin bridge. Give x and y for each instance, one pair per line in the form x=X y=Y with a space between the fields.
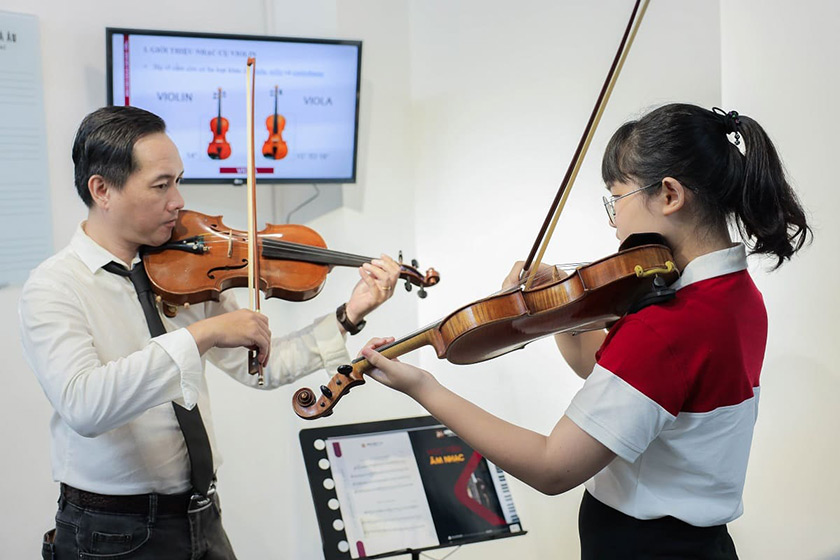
x=230 y=243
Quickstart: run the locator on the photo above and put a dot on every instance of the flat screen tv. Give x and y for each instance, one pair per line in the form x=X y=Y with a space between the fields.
x=306 y=101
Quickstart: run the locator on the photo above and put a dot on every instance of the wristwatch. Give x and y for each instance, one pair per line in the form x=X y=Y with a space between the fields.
x=341 y=315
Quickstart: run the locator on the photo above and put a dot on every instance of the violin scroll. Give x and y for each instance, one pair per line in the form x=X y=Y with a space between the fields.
x=308 y=407
x=413 y=276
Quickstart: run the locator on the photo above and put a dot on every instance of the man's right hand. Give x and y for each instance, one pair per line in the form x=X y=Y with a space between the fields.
x=240 y=328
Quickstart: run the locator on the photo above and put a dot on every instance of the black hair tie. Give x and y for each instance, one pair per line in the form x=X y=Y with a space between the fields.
x=731 y=121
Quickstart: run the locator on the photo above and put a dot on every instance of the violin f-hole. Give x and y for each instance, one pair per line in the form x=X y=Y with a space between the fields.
x=240 y=267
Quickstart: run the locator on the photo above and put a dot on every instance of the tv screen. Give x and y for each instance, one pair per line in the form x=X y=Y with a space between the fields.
x=306 y=101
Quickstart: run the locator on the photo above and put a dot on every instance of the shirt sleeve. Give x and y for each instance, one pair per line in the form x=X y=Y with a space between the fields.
x=93 y=397
x=181 y=348
x=317 y=346
x=635 y=391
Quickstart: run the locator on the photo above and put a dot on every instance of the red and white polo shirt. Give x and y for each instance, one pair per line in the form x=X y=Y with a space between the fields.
x=674 y=394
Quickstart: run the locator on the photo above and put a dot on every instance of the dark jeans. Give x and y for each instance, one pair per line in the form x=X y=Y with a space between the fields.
x=88 y=534
x=608 y=534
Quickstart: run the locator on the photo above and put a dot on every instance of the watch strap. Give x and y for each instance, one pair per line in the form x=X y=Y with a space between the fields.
x=341 y=316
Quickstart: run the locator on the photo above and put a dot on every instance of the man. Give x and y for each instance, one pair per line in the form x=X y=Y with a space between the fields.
x=132 y=436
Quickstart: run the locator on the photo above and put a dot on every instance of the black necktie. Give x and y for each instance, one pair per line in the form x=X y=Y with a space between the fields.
x=195 y=435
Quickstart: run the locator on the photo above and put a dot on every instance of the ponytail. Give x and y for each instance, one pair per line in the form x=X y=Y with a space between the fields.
x=768 y=210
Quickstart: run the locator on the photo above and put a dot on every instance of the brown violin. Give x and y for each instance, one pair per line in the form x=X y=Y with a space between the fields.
x=275 y=147
x=219 y=147
x=205 y=257
x=593 y=297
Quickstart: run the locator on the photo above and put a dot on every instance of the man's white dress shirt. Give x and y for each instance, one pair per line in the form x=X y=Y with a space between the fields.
x=111 y=386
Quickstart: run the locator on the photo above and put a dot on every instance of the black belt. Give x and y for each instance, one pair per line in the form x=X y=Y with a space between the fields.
x=167 y=504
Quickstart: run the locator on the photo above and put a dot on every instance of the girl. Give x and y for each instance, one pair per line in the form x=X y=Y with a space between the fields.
x=661 y=430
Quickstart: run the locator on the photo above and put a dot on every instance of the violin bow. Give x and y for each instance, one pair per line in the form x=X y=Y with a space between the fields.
x=254 y=366
x=559 y=202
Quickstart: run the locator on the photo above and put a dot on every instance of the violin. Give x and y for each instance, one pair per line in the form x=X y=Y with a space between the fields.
x=219 y=147
x=205 y=257
x=593 y=297
x=275 y=147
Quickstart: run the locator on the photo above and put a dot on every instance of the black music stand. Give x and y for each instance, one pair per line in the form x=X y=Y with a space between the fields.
x=468 y=497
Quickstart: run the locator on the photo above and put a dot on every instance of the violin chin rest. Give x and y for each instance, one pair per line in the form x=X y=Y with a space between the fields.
x=639 y=239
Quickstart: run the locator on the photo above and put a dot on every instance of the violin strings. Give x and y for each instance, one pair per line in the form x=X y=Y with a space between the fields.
x=548 y=274
x=282 y=248
x=543 y=274
x=327 y=256
x=318 y=255
x=320 y=250
x=540 y=275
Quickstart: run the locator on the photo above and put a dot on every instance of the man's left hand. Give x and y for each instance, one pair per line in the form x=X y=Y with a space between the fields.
x=378 y=279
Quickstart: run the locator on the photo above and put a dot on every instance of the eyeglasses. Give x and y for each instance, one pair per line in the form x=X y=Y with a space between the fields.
x=609 y=202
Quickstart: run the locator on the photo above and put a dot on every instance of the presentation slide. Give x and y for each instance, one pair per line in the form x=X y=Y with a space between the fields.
x=305 y=102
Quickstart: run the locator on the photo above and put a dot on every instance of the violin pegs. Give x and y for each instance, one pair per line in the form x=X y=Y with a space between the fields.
x=407 y=286
x=399 y=257
x=421 y=293
x=187 y=305
x=326 y=391
x=345 y=369
x=414 y=263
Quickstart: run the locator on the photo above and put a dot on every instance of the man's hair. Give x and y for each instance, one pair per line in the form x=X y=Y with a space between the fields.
x=104 y=145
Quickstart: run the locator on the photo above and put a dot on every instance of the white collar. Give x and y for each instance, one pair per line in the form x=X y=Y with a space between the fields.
x=91 y=253
x=713 y=264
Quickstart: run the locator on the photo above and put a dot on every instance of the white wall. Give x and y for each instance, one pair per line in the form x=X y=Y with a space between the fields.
x=470 y=113
x=780 y=67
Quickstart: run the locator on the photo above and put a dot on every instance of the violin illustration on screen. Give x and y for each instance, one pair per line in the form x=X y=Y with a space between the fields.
x=219 y=147
x=275 y=147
